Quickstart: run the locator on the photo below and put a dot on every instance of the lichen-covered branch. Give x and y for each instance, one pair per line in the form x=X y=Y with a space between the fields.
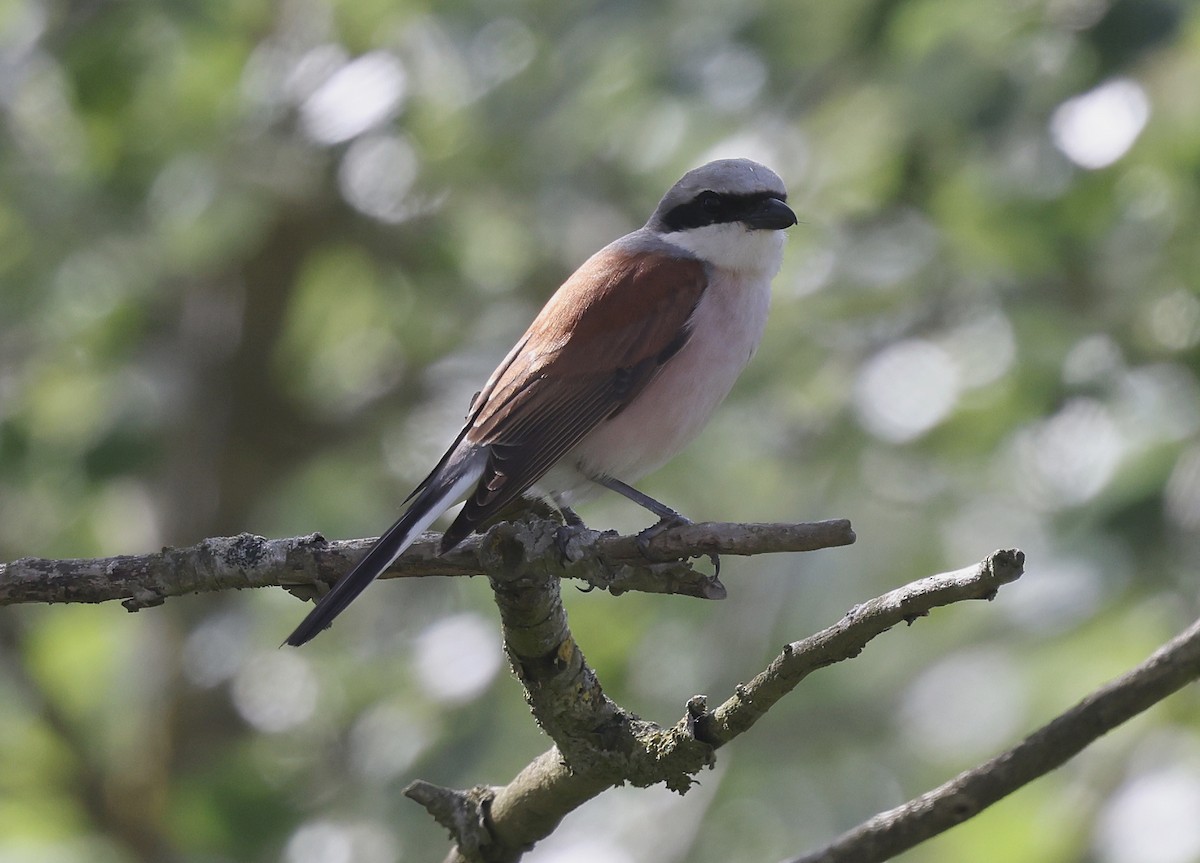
x=599 y=745
x=1169 y=669
x=306 y=565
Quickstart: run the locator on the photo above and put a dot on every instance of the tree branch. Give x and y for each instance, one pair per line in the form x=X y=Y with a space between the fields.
x=1169 y=669
x=847 y=638
x=598 y=744
x=306 y=565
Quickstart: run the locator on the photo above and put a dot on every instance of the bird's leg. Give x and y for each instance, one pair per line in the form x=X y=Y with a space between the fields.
x=572 y=527
x=667 y=517
x=570 y=516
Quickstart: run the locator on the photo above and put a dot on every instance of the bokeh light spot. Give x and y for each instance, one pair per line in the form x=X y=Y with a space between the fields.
x=385 y=742
x=330 y=842
x=1154 y=818
x=376 y=175
x=1091 y=360
x=891 y=249
x=1097 y=128
x=983 y=348
x=457 y=657
x=1173 y=320
x=1067 y=459
x=182 y=191
x=358 y=96
x=1183 y=491
x=214 y=651
x=732 y=78
x=275 y=691
x=964 y=706
x=501 y=50
x=905 y=390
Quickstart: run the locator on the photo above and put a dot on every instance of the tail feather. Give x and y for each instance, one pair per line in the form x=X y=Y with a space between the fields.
x=439 y=494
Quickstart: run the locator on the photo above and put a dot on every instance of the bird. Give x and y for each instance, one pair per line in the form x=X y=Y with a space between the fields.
x=621 y=369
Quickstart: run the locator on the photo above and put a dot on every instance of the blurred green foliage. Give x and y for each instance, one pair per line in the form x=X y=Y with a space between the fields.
x=255 y=258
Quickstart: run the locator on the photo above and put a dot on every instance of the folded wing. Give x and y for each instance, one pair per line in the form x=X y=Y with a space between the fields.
x=588 y=354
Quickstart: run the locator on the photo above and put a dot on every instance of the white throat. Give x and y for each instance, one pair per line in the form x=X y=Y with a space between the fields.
x=733 y=247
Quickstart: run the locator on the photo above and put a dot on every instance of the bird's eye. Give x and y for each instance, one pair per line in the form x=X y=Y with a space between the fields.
x=710 y=202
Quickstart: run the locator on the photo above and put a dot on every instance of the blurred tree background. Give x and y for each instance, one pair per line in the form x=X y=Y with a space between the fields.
x=255 y=257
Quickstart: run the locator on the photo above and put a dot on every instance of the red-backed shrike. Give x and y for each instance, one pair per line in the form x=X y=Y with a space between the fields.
x=619 y=371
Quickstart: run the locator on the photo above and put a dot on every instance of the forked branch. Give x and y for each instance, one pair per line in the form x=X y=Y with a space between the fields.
x=597 y=743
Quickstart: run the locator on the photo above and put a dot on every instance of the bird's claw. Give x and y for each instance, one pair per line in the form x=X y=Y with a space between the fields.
x=564 y=535
x=565 y=539
x=664 y=524
x=714 y=589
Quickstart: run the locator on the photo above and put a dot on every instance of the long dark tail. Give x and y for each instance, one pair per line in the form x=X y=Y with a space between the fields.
x=436 y=497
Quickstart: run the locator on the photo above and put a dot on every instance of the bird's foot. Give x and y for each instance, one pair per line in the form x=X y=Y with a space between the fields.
x=666 y=523
x=573 y=541
x=568 y=539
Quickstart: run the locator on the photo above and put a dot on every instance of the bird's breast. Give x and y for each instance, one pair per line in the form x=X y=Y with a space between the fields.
x=678 y=402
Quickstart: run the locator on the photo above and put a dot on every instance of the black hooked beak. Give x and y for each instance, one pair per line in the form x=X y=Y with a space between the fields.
x=770 y=214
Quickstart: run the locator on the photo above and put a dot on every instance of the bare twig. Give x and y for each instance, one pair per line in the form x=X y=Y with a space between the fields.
x=846 y=638
x=1169 y=669
x=306 y=565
